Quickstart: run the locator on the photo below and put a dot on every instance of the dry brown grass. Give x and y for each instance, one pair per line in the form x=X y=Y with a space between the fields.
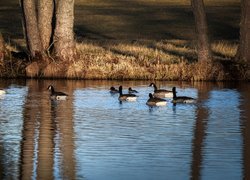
x=55 y=70
x=32 y=70
x=225 y=49
x=10 y=66
x=144 y=59
x=141 y=59
x=164 y=60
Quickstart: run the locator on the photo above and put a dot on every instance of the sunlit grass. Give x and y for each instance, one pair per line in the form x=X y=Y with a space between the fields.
x=225 y=49
x=145 y=60
x=139 y=59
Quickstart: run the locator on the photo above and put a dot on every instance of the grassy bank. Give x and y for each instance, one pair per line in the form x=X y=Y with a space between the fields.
x=161 y=60
x=141 y=59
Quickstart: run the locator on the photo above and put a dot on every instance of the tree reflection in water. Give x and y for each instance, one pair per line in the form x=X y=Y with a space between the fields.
x=47 y=148
x=245 y=123
x=199 y=129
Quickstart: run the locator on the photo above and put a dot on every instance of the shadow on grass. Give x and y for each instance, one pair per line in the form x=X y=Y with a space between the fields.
x=83 y=32
x=138 y=20
x=119 y=19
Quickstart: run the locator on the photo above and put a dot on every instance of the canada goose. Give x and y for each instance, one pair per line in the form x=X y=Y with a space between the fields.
x=130 y=90
x=154 y=101
x=126 y=97
x=56 y=95
x=181 y=99
x=161 y=93
x=113 y=90
x=2 y=92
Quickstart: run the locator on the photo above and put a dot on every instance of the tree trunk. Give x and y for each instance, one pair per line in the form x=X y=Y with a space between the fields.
x=45 y=14
x=204 y=52
x=2 y=48
x=64 y=36
x=243 y=53
x=32 y=32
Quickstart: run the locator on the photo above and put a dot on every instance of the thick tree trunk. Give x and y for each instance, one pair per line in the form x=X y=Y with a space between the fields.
x=204 y=52
x=45 y=14
x=243 y=53
x=33 y=37
x=64 y=36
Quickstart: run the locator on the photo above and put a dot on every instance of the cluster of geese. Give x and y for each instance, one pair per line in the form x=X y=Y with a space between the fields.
x=155 y=99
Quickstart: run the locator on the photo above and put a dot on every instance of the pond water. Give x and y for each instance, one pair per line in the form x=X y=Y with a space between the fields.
x=93 y=136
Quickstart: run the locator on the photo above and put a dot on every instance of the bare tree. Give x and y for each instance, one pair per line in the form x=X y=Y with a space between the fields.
x=2 y=48
x=204 y=52
x=41 y=32
x=45 y=14
x=243 y=53
x=38 y=26
x=32 y=31
x=64 y=36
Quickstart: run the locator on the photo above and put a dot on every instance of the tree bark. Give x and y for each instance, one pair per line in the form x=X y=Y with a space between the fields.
x=204 y=52
x=45 y=14
x=33 y=37
x=243 y=52
x=2 y=48
x=64 y=36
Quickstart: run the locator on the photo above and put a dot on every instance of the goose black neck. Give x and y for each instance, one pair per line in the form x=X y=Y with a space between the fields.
x=174 y=92
x=155 y=87
x=120 y=90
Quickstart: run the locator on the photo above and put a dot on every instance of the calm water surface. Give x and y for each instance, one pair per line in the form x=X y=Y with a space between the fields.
x=92 y=136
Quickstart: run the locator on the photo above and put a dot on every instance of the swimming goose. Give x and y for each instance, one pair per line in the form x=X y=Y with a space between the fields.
x=181 y=99
x=161 y=93
x=130 y=90
x=2 y=92
x=113 y=90
x=126 y=97
x=56 y=95
x=154 y=101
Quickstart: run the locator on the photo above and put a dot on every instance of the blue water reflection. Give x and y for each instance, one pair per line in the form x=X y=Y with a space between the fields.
x=94 y=136
x=131 y=140
x=222 y=152
x=11 y=121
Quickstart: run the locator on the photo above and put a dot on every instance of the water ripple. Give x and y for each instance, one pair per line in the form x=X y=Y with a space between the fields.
x=94 y=136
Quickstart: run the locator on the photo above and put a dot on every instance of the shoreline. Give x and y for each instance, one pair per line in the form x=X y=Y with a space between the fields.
x=168 y=60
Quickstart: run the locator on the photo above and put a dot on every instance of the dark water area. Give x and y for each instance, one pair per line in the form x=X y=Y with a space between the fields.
x=93 y=136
